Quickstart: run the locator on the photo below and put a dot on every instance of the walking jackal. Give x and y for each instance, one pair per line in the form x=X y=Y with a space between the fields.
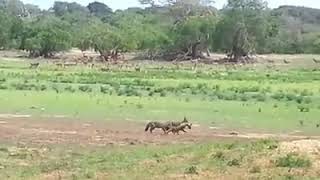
x=177 y=129
x=165 y=126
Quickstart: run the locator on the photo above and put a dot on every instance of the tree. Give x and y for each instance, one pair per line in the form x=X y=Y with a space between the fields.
x=84 y=32
x=62 y=8
x=10 y=30
x=194 y=35
x=152 y=3
x=244 y=26
x=4 y=29
x=45 y=37
x=100 y=10
x=32 y=10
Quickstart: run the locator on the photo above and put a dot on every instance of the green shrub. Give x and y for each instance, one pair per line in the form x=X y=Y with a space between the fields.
x=139 y=106
x=70 y=89
x=260 y=97
x=278 y=96
x=191 y=170
x=299 y=99
x=290 y=97
x=42 y=87
x=151 y=93
x=85 y=88
x=303 y=108
x=21 y=87
x=2 y=80
x=244 y=97
x=234 y=162
x=305 y=92
x=219 y=155
x=293 y=161
x=104 y=89
x=3 y=87
x=163 y=94
x=255 y=169
x=307 y=100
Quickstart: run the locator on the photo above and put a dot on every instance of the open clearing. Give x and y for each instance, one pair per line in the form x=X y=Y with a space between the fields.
x=67 y=131
x=61 y=148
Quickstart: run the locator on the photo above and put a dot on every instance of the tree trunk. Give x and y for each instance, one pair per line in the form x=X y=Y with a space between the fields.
x=195 y=52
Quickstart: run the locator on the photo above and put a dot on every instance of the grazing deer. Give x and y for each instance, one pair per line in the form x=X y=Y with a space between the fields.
x=316 y=61
x=270 y=61
x=286 y=61
x=301 y=123
x=34 y=65
x=59 y=64
x=69 y=64
x=138 y=69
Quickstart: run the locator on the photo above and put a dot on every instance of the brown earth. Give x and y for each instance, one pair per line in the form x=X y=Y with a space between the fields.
x=67 y=131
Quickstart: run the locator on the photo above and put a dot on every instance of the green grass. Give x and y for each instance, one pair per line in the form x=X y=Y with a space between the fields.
x=230 y=114
x=245 y=98
x=144 y=162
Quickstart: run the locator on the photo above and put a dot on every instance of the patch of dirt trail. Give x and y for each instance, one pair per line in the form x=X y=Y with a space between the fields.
x=68 y=131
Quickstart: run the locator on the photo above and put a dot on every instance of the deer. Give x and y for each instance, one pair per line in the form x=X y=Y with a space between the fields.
x=286 y=61
x=316 y=61
x=34 y=65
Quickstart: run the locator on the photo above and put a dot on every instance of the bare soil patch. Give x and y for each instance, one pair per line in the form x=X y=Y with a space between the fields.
x=69 y=131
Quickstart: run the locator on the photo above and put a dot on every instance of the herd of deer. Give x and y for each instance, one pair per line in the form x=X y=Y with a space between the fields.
x=85 y=60
x=89 y=62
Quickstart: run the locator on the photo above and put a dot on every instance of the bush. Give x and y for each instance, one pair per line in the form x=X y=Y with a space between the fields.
x=260 y=97
x=3 y=87
x=104 y=89
x=244 y=97
x=85 y=88
x=290 y=97
x=299 y=99
x=139 y=106
x=22 y=87
x=151 y=93
x=303 y=108
x=70 y=89
x=191 y=170
x=234 y=162
x=163 y=94
x=293 y=161
x=307 y=100
x=255 y=169
x=219 y=155
x=305 y=92
x=2 y=80
x=42 y=87
x=278 y=96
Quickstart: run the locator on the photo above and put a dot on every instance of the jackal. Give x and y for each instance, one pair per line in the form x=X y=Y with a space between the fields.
x=177 y=129
x=165 y=126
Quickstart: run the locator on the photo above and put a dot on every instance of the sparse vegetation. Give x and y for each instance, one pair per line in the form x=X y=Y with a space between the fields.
x=293 y=161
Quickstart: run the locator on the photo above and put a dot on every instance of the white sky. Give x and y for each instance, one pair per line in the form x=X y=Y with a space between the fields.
x=123 y=4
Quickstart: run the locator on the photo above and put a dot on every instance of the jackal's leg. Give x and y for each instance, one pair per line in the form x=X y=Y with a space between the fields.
x=151 y=129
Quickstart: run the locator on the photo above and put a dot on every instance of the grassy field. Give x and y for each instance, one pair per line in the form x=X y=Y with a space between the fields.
x=253 y=98
x=243 y=97
x=233 y=160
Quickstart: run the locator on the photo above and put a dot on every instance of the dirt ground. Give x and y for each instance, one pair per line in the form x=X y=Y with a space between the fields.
x=44 y=131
